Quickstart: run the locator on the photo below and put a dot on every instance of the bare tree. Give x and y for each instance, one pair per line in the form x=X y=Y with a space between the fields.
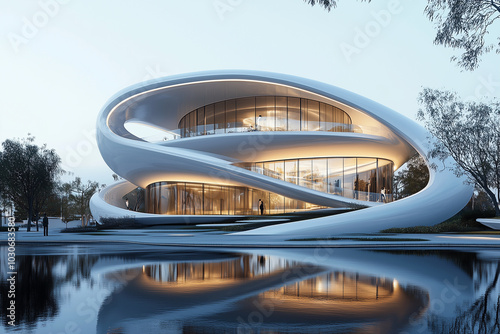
x=460 y=25
x=469 y=132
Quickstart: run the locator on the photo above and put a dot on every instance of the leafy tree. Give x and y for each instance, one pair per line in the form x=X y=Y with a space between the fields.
x=5 y=205
x=28 y=171
x=80 y=196
x=460 y=25
x=412 y=178
x=67 y=210
x=469 y=132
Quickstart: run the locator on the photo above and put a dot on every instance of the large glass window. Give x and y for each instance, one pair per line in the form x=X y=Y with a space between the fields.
x=220 y=117
x=367 y=179
x=336 y=176
x=188 y=125
x=209 y=117
x=313 y=115
x=304 y=115
x=200 y=129
x=350 y=182
x=213 y=204
x=182 y=127
x=384 y=178
x=327 y=115
x=319 y=174
x=266 y=113
x=293 y=114
x=245 y=113
x=269 y=169
x=192 y=124
x=270 y=113
x=360 y=178
x=276 y=204
x=279 y=170
x=180 y=198
x=281 y=113
x=305 y=173
x=241 y=201
x=367 y=169
x=292 y=171
x=168 y=199
x=231 y=116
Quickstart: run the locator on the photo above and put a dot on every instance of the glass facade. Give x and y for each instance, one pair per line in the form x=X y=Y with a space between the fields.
x=181 y=198
x=264 y=113
x=366 y=179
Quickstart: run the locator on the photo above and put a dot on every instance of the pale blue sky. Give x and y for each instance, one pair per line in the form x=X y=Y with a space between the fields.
x=56 y=77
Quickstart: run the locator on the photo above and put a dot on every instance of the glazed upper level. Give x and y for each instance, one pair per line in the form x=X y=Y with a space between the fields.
x=264 y=113
x=166 y=108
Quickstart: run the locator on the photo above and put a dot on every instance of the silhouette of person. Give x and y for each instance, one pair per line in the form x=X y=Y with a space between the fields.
x=126 y=203
x=45 y=223
x=261 y=207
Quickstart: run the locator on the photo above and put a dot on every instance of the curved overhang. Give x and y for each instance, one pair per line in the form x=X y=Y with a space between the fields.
x=163 y=102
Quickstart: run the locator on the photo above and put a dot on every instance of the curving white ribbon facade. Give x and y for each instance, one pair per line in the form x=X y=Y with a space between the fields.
x=223 y=158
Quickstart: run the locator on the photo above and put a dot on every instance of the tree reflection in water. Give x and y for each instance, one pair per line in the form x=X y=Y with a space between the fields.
x=38 y=285
x=36 y=293
x=483 y=316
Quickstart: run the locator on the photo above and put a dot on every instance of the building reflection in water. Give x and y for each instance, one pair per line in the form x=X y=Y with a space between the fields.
x=331 y=286
x=298 y=294
x=338 y=286
x=244 y=267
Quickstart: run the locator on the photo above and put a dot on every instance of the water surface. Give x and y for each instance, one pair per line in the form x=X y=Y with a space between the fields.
x=136 y=289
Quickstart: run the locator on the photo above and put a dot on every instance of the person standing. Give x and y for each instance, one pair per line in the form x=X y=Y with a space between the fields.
x=45 y=223
x=261 y=207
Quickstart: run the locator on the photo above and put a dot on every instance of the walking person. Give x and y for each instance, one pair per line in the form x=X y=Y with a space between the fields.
x=261 y=207
x=45 y=223
x=382 y=195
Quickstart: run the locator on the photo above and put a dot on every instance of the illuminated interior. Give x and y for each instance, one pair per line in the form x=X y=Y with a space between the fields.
x=183 y=198
x=359 y=178
x=264 y=113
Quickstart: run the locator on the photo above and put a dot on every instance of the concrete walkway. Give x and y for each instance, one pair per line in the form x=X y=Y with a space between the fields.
x=189 y=237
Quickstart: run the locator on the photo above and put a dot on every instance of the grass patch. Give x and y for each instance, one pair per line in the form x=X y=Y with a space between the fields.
x=79 y=229
x=484 y=232
x=360 y=239
x=454 y=224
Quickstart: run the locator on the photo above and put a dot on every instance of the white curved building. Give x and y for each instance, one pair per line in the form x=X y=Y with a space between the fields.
x=235 y=138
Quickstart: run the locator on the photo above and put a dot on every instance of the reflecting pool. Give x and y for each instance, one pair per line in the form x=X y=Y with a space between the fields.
x=148 y=289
